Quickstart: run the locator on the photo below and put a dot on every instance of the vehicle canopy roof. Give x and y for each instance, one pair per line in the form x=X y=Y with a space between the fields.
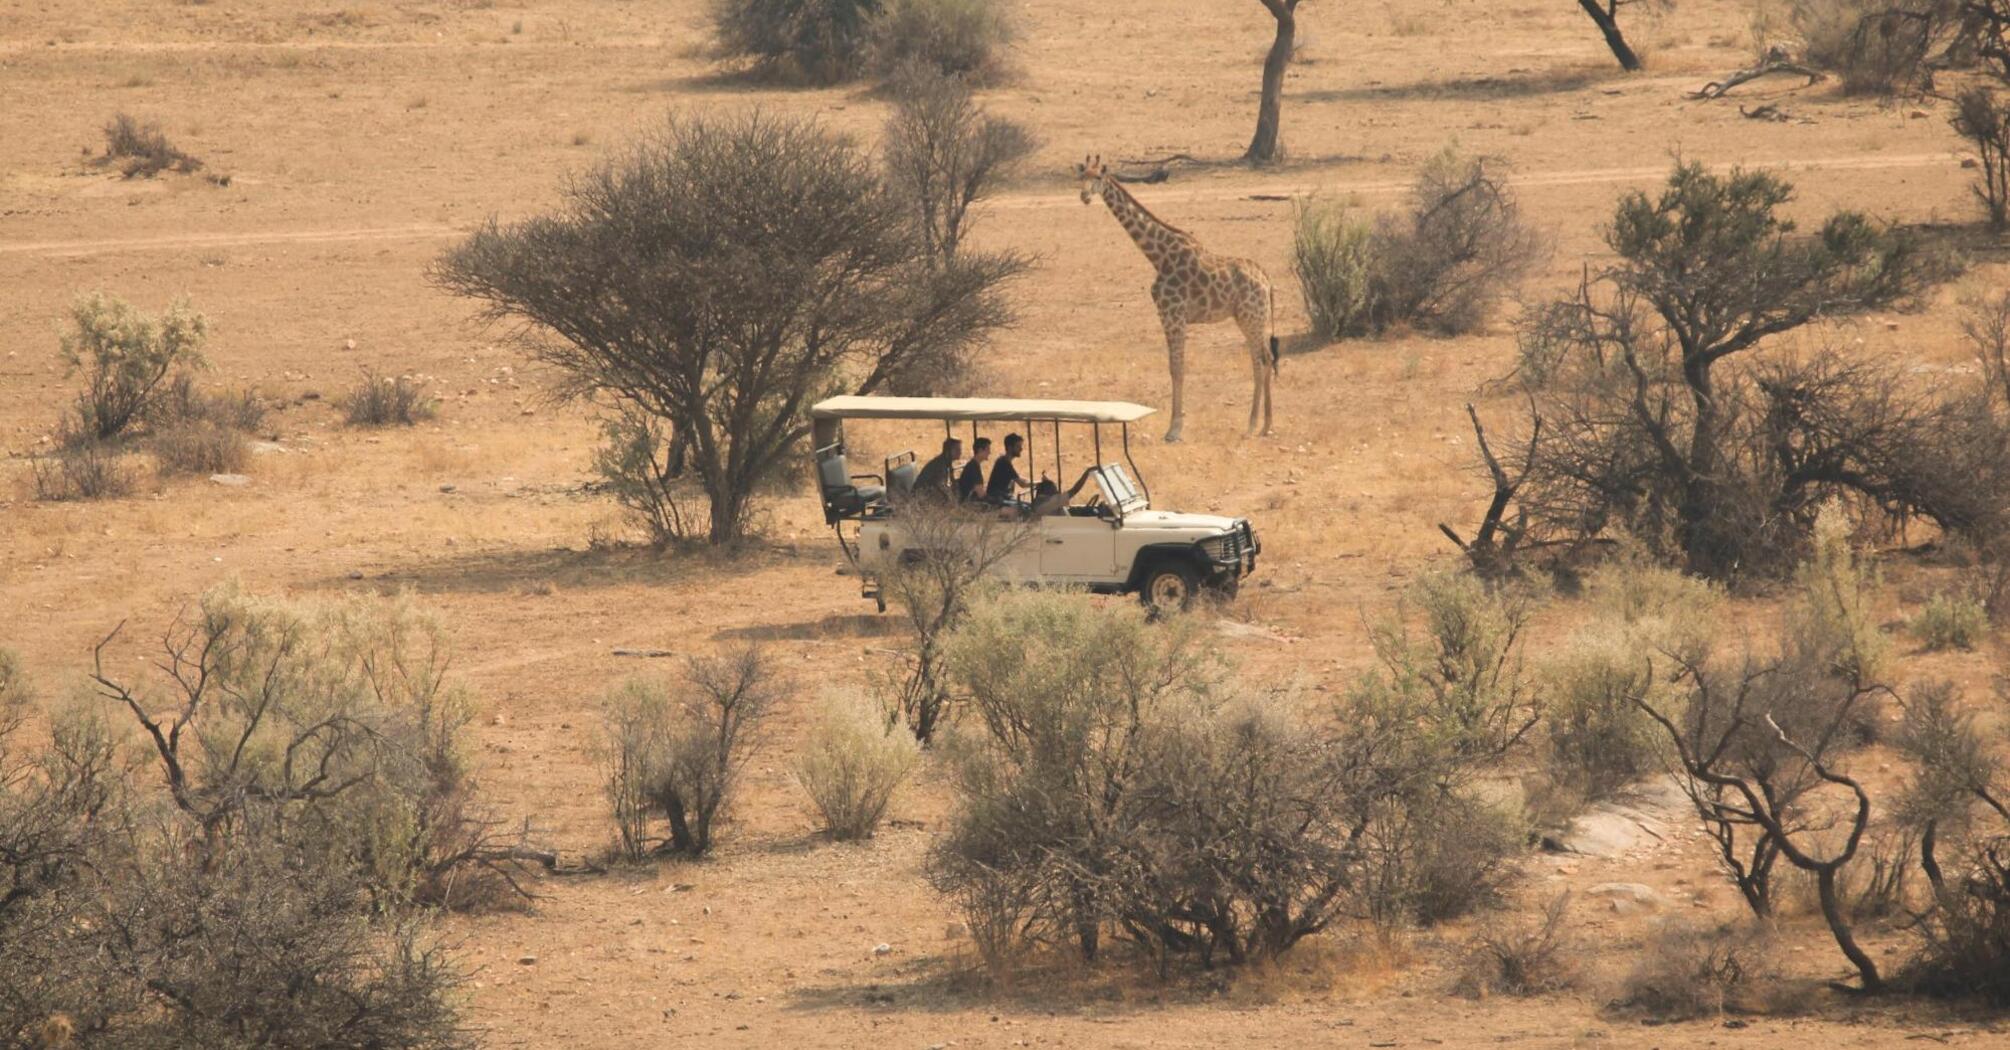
x=978 y=409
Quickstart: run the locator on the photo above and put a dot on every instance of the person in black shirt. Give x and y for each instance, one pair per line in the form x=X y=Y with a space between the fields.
x=970 y=483
x=933 y=481
x=1004 y=485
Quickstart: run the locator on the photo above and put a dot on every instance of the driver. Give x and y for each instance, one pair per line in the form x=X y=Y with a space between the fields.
x=1003 y=487
x=1049 y=500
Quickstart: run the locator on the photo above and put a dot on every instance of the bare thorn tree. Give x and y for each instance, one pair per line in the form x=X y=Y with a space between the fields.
x=1493 y=548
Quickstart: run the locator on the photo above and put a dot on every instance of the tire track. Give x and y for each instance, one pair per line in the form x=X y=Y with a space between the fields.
x=1047 y=199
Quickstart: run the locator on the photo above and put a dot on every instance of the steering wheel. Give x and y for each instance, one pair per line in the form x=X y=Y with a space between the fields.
x=1095 y=502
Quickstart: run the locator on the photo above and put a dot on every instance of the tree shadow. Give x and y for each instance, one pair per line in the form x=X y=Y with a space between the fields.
x=550 y=570
x=949 y=983
x=1516 y=83
x=833 y=626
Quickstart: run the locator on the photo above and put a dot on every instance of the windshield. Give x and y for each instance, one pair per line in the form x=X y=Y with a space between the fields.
x=1119 y=490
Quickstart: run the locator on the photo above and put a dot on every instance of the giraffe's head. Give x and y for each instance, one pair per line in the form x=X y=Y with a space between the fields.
x=1093 y=173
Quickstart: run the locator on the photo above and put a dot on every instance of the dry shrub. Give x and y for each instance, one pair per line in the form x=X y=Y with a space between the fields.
x=674 y=751
x=1982 y=119
x=200 y=448
x=1874 y=46
x=1520 y=958
x=1966 y=949
x=1688 y=971
x=142 y=149
x=87 y=470
x=642 y=467
x=960 y=38
x=182 y=401
x=1950 y=620
x=382 y=401
x=1599 y=741
x=125 y=357
x=1443 y=266
x=821 y=41
x=855 y=759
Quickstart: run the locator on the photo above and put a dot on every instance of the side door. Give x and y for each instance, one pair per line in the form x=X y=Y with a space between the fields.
x=1076 y=550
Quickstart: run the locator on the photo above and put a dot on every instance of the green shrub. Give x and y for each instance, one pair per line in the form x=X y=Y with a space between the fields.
x=125 y=357
x=1332 y=255
x=855 y=759
x=1599 y=739
x=382 y=401
x=1832 y=623
x=963 y=38
x=1950 y=621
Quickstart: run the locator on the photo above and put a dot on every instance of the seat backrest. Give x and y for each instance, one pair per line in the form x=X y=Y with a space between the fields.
x=832 y=474
x=900 y=480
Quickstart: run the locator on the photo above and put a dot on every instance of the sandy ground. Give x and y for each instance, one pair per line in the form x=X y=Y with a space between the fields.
x=361 y=140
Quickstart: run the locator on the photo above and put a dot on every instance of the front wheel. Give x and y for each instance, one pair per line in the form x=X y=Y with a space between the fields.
x=1169 y=587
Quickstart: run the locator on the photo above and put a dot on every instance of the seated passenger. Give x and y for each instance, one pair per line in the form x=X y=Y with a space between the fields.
x=970 y=483
x=1005 y=484
x=934 y=480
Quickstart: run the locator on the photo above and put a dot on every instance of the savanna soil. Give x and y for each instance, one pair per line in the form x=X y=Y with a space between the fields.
x=359 y=141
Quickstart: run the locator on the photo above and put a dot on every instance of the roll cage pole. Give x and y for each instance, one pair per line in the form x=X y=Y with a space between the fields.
x=1136 y=474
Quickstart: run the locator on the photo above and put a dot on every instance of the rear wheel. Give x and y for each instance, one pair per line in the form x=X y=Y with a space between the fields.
x=1169 y=586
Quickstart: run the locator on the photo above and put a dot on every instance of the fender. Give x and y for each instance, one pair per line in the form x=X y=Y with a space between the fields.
x=1155 y=553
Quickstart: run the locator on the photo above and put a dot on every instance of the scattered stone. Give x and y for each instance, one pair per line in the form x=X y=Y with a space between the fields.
x=882 y=949
x=266 y=448
x=448 y=488
x=647 y=653
x=528 y=960
x=348 y=344
x=355 y=574
x=1628 y=896
x=236 y=481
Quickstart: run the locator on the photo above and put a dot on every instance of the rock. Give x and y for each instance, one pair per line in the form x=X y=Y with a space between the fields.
x=1628 y=896
x=448 y=488
x=882 y=949
x=1637 y=816
x=348 y=344
x=236 y=481
x=266 y=448
x=1970 y=162
x=355 y=574
x=527 y=960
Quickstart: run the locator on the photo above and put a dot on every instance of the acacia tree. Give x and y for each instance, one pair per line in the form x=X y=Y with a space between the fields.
x=1642 y=425
x=722 y=275
x=1266 y=146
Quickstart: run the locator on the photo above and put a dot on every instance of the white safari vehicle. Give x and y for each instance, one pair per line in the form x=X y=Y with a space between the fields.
x=1105 y=538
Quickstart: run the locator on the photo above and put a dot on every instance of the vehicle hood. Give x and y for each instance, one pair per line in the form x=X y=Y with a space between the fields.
x=1169 y=519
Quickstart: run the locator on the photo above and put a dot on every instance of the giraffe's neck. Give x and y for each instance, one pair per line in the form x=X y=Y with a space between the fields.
x=1159 y=241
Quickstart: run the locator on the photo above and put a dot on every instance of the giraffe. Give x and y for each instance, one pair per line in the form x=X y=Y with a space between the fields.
x=1194 y=286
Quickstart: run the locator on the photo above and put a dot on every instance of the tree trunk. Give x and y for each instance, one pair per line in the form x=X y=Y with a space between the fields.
x=1839 y=926
x=729 y=511
x=1265 y=147
x=1614 y=39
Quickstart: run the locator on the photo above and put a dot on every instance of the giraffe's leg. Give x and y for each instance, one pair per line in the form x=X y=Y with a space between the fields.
x=1175 y=327
x=1259 y=364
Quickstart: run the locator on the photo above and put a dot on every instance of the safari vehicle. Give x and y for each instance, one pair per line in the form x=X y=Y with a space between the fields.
x=1107 y=538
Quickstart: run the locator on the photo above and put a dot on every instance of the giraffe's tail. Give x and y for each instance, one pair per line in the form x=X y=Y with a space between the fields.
x=1276 y=357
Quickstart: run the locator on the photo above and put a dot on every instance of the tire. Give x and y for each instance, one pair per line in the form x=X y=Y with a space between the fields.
x=1169 y=586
